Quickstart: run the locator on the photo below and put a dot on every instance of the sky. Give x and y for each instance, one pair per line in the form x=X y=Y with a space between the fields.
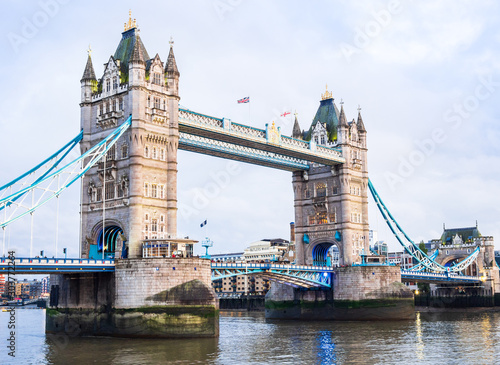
x=426 y=75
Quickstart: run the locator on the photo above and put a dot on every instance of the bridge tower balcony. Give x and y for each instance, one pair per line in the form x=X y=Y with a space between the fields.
x=109 y=119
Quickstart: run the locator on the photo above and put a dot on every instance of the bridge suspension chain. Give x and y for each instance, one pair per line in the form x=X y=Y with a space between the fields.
x=415 y=251
x=63 y=176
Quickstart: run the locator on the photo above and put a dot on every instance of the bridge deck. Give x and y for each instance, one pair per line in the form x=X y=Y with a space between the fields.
x=54 y=266
x=220 y=137
x=426 y=277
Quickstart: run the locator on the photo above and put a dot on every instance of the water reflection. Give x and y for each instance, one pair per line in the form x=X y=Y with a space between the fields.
x=326 y=348
x=419 y=350
x=449 y=337
x=132 y=351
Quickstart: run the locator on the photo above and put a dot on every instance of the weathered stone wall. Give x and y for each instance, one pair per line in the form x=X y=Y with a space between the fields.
x=368 y=282
x=91 y=291
x=360 y=293
x=163 y=281
x=158 y=298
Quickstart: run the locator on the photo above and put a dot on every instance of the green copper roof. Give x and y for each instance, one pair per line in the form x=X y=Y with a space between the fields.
x=465 y=233
x=125 y=48
x=327 y=113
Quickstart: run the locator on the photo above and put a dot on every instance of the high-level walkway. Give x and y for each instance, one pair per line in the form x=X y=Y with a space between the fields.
x=267 y=147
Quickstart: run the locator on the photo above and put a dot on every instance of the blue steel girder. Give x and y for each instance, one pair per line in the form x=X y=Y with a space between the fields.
x=54 y=265
x=269 y=140
x=411 y=247
x=432 y=277
x=51 y=185
x=207 y=146
x=294 y=275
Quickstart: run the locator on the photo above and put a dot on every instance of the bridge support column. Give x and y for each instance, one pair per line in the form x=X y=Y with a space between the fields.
x=359 y=293
x=159 y=298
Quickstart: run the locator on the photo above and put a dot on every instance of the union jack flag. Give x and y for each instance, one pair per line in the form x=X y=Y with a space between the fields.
x=244 y=100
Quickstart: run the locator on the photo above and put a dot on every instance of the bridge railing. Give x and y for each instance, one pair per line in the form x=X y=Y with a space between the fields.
x=270 y=266
x=439 y=275
x=52 y=261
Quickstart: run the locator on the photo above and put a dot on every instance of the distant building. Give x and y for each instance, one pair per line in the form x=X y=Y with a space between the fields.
x=372 y=237
x=401 y=258
x=267 y=250
x=45 y=286
x=35 y=289
x=380 y=248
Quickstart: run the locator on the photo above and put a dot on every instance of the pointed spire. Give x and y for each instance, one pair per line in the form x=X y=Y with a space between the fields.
x=171 y=66
x=342 y=118
x=137 y=56
x=360 y=124
x=89 y=73
x=296 y=132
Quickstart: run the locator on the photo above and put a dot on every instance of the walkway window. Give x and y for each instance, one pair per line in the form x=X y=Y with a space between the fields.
x=111 y=154
x=320 y=190
x=321 y=218
x=312 y=220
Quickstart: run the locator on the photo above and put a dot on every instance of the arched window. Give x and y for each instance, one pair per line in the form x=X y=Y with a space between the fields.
x=115 y=83
x=146 y=151
x=162 y=154
x=154 y=153
x=108 y=85
x=124 y=151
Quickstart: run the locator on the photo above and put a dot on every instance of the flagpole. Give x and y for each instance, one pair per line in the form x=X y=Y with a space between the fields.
x=249 y=114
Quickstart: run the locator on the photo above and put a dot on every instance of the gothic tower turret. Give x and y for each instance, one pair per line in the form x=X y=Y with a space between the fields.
x=131 y=197
x=331 y=202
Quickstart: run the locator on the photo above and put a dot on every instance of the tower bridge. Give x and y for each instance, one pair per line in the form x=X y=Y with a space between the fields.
x=132 y=127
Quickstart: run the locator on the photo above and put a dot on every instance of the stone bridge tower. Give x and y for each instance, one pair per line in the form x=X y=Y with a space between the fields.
x=331 y=203
x=137 y=184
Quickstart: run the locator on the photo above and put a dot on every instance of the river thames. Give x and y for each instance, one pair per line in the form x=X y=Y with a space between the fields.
x=248 y=338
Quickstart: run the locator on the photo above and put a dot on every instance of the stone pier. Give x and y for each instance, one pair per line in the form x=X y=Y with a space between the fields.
x=157 y=298
x=359 y=293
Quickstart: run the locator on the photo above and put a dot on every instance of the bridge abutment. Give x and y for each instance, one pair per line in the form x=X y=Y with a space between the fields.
x=159 y=298
x=359 y=293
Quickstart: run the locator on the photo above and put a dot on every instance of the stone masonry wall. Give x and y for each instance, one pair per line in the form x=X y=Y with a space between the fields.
x=163 y=281
x=89 y=291
x=368 y=282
